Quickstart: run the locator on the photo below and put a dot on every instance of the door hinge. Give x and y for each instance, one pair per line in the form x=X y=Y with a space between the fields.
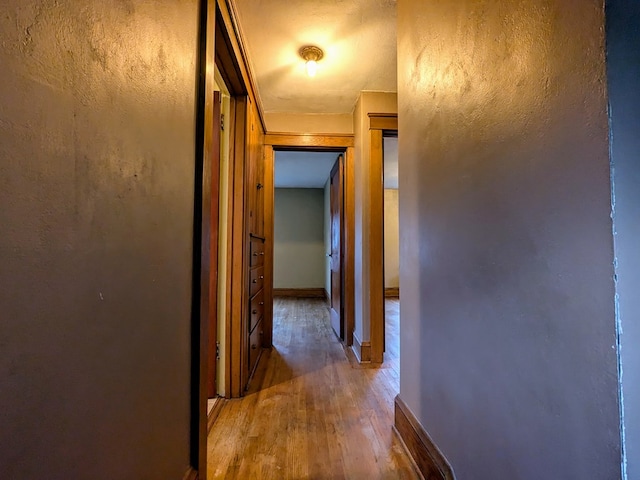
x=218 y=350
x=222 y=121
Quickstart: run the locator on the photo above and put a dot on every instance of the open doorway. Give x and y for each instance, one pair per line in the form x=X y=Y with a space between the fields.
x=302 y=266
x=391 y=243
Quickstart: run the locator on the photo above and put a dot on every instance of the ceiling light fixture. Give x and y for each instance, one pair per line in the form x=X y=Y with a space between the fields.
x=311 y=55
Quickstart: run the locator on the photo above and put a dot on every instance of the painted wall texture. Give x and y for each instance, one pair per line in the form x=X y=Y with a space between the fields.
x=298 y=245
x=623 y=71
x=391 y=239
x=97 y=108
x=508 y=340
x=310 y=122
x=368 y=102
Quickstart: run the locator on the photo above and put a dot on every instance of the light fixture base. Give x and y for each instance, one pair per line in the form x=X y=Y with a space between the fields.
x=311 y=53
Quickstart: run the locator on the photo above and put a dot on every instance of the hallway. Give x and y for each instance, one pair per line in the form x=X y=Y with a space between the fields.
x=311 y=411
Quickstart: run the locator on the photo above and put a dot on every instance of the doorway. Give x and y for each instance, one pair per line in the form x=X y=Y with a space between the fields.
x=277 y=144
x=391 y=251
x=302 y=250
x=381 y=127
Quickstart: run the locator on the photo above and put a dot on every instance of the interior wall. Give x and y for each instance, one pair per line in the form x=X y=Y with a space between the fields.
x=391 y=239
x=223 y=238
x=309 y=123
x=299 y=251
x=97 y=145
x=327 y=237
x=368 y=102
x=623 y=45
x=508 y=341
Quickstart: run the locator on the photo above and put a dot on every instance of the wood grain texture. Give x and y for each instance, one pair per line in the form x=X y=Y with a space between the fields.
x=310 y=412
x=314 y=141
x=269 y=191
x=428 y=459
x=190 y=474
x=362 y=350
x=300 y=292
x=349 y=246
x=214 y=412
x=391 y=292
x=376 y=246
x=383 y=121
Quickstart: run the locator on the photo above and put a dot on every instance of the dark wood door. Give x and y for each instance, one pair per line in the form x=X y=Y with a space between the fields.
x=337 y=244
x=211 y=214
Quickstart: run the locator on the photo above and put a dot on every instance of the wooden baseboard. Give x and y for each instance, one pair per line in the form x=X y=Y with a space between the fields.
x=392 y=292
x=299 y=292
x=190 y=474
x=361 y=349
x=429 y=461
x=215 y=411
x=327 y=298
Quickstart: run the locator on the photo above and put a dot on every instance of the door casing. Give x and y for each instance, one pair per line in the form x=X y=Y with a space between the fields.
x=338 y=143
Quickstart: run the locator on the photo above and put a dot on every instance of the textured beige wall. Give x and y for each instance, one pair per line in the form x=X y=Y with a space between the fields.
x=309 y=123
x=391 y=239
x=508 y=338
x=97 y=154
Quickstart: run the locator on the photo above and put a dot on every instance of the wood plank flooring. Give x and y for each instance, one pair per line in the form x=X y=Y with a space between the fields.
x=311 y=412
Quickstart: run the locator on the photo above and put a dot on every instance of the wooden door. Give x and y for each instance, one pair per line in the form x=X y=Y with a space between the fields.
x=337 y=246
x=213 y=185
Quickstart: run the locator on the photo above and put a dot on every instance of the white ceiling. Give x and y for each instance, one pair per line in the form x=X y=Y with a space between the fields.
x=312 y=169
x=303 y=169
x=358 y=38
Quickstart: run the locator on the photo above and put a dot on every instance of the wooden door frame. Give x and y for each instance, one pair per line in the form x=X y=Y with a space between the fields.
x=204 y=144
x=337 y=170
x=379 y=124
x=218 y=44
x=317 y=142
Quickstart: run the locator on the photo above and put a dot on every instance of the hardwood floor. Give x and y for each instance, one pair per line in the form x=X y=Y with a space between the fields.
x=311 y=412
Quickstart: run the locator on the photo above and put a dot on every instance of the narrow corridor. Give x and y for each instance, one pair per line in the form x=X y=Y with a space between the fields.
x=311 y=412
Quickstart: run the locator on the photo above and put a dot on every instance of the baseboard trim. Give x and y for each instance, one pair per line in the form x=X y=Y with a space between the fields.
x=429 y=460
x=299 y=292
x=215 y=411
x=327 y=298
x=190 y=474
x=362 y=350
x=392 y=292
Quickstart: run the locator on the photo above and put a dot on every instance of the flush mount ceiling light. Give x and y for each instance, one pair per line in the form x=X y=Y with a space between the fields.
x=311 y=55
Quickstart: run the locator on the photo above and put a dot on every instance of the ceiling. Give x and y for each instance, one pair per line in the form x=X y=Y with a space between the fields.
x=358 y=38
x=304 y=169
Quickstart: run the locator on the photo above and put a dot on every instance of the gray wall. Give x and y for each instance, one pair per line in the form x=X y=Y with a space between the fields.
x=508 y=341
x=96 y=191
x=298 y=246
x=623 y=62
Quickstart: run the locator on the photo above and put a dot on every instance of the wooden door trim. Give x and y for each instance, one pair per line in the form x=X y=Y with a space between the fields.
x=200 y=292
x=337 y=171
x=269 y=192
x=349 y=245
x=323 y=142
x=383 y=121
x=238 y=280
x=304 y=141
x=379 y=124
